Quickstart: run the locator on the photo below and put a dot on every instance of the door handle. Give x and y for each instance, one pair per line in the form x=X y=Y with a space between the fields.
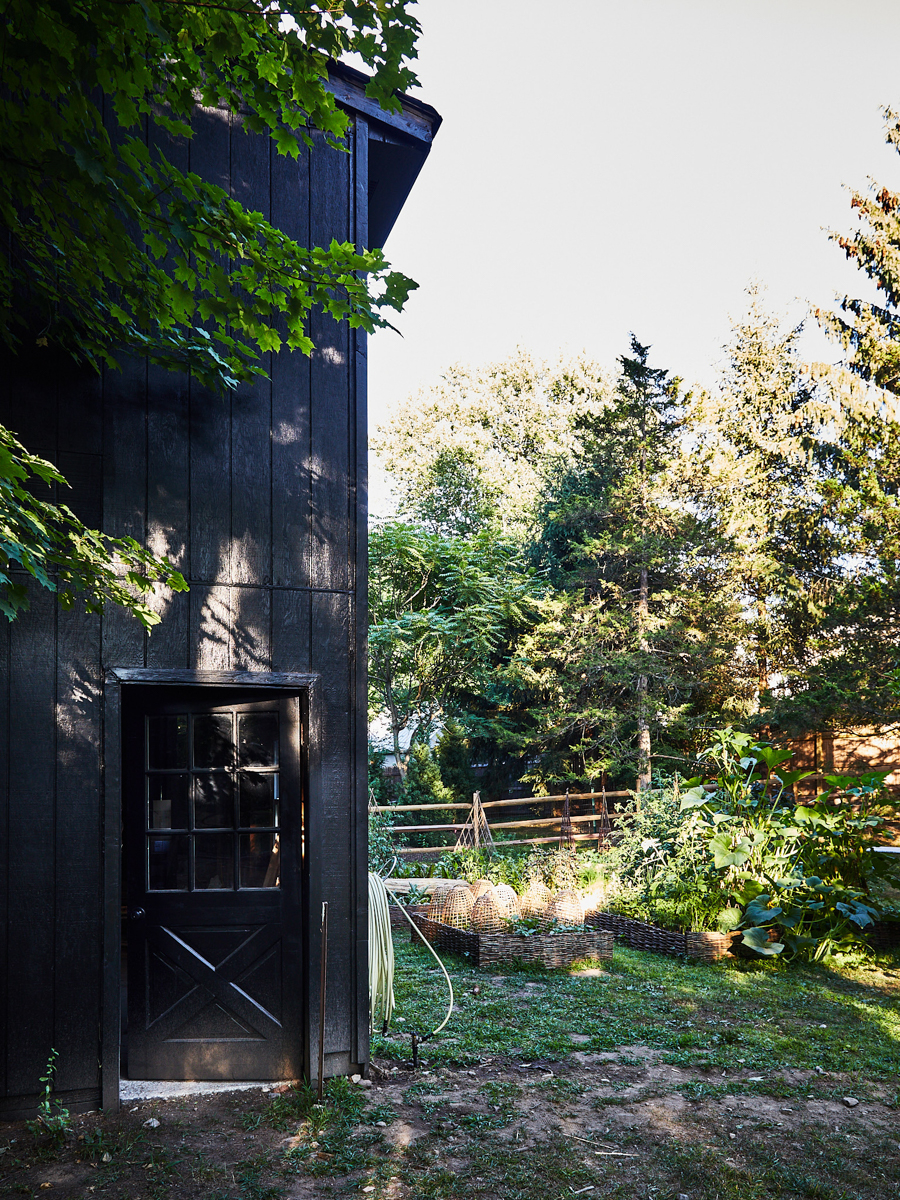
x=136 y=914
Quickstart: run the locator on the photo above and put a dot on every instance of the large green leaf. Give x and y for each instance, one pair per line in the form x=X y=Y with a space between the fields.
x=759 y=912
x=749 y=890
x=758 y=941
x=728 y=854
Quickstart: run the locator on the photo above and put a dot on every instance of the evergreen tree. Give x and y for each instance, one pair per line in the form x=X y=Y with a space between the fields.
x=455 y=761
x=805 y=468
x=640 y=639
x=869 y=332
x=764 y=444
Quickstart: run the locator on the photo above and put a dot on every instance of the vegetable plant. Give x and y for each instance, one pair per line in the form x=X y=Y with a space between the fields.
x=801 y=872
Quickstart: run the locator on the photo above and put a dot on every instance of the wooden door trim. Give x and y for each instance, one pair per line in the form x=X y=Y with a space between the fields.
x=305 y=683
x=291 y=680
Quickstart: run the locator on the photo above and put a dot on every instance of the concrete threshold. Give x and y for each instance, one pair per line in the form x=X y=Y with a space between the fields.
x=131 y=1090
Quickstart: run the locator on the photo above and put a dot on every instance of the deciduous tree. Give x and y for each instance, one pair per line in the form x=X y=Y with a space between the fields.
x=112 y=248
x=472 y=450
x=440 y=611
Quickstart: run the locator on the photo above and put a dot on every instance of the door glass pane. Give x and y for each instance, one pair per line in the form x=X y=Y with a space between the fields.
x=258 y=739
x=167 y=742
x=213 y=861
x=214 y=800
x=168 y=802
x=258 y=793
x=259 y=860
x=168 y=861
x=213 y=745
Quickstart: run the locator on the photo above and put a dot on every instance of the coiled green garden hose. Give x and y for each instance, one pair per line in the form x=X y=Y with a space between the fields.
x=381 y=956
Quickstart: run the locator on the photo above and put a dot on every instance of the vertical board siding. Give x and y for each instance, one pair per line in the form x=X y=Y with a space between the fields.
x=359 y=665
x=210 y=437
x=291 y=637
x=124 y=490
x=5 y=852
x=291 y=496
x=330 y=216
x=251 y=432
x=80 y=411
x=252 y=615
x=331 y=625
x=78 y=852
x=30 y=983
x=168 y=474
x=259 y=498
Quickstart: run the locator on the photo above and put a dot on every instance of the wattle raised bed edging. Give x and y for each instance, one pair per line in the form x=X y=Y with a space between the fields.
x=641 y=935
x=398 y=921
x=546 y=950
x=884 y=935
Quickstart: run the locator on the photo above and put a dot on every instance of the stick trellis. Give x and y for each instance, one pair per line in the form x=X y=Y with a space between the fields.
x=476 y=831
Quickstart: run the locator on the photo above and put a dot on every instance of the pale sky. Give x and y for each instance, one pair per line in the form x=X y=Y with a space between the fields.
x=615 y=165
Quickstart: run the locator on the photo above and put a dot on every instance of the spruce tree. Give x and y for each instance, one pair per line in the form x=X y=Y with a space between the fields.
x=639 y=639
x=764 y=446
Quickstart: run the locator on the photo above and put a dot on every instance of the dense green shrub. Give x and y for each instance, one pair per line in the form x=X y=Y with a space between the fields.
x=803 y=873
x=659 y=869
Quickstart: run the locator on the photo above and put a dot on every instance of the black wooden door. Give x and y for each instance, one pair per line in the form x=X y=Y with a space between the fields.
x=213 y=826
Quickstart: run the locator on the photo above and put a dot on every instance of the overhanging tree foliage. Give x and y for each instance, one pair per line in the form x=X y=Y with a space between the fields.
x=51 y=545
x=114 y=249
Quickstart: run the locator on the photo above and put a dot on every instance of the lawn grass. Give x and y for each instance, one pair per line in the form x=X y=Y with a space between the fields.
x=737 y=1014
x=651 y=1079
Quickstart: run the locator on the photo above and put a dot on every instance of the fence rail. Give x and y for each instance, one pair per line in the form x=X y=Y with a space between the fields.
x=538 y=823
x=393 y=808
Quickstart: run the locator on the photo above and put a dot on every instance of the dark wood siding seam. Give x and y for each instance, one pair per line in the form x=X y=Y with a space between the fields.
x=359 y=689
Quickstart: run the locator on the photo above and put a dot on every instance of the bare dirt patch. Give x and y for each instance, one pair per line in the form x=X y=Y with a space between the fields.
x=616 y=1123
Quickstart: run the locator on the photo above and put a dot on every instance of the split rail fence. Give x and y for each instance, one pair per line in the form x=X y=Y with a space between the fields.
x=564 y=823
x=603 y=818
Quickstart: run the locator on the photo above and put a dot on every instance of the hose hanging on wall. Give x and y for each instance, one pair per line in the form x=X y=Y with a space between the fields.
x=381 y=959
x=381 y=953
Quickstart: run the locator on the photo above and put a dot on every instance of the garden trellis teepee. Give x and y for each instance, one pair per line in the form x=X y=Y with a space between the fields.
x=604 y=826
x=476 y=831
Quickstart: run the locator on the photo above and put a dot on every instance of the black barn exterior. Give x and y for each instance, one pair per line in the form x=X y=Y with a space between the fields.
x=188 y=801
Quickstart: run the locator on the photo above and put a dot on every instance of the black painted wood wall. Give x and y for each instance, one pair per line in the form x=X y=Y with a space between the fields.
x=259 y=498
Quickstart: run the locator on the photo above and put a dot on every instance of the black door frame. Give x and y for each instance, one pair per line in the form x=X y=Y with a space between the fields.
x=302 y=684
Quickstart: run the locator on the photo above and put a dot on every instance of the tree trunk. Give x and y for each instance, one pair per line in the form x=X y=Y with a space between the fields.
x=762 y=658
x=398 y=754
x=643 y=716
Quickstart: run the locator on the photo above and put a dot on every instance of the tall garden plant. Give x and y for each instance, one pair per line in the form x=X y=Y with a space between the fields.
x=803 y=873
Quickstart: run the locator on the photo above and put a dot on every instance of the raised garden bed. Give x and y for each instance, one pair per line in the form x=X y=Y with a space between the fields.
x=398 y=921
x=641 y=935
x=884 y=935
x=542 y=949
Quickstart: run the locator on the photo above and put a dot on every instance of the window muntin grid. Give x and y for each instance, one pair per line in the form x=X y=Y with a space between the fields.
x=212 y=801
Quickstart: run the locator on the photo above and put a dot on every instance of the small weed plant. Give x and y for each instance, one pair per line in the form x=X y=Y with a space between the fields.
x=53 y=1119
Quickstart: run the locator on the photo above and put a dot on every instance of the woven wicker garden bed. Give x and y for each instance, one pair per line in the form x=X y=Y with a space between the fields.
x=546 y=950
x=641 y=935
x=884 y=935
x=398 y=921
